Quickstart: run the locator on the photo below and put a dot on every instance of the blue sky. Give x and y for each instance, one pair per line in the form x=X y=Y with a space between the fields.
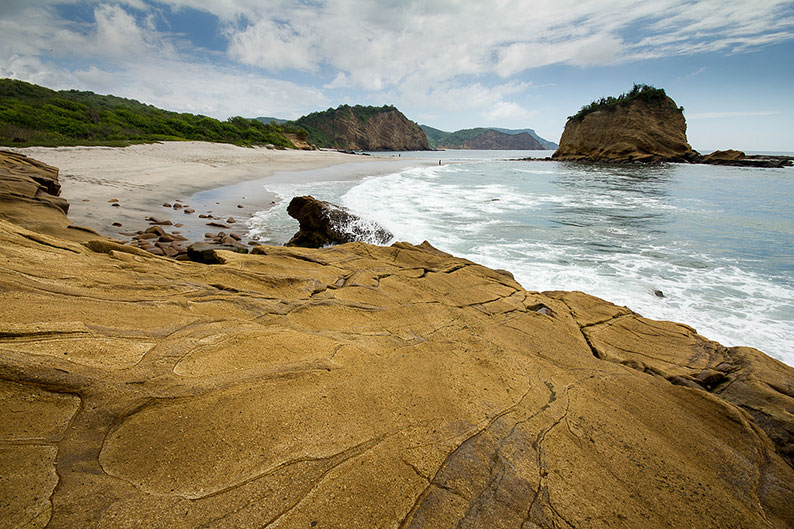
x=449 y=64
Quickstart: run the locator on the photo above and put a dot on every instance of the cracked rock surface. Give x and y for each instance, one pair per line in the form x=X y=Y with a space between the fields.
x=360 y=386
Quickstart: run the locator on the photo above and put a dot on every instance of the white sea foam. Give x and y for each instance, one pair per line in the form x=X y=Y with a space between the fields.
x=619 y=234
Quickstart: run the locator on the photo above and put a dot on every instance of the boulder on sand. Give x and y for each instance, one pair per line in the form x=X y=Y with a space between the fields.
x=326 y=224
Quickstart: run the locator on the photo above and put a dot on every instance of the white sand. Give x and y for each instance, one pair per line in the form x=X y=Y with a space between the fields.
x=143 y=177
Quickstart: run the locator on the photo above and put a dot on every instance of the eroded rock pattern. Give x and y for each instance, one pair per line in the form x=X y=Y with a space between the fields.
x=364 y=386
x=360 y=386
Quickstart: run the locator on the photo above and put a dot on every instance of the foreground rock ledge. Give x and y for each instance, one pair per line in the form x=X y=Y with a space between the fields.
x=361 y=386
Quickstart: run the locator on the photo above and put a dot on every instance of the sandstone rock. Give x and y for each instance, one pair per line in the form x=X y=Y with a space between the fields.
x=727 y=155
x=323 y=224
x=178 y=206
x=365 y=386
x=157 y=230
x=189 y=211
x=230 y=220
x=740 y=159
x=166 y=205
x=117 y=224
x=217 y=225
x=160 y=222
x=205 y=253
x=644 y=129
x=29 y=192
x=414 y=388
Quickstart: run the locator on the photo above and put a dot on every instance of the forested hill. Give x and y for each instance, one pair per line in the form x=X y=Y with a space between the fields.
x=34 y=115
x=487 y=138
x=365 y=128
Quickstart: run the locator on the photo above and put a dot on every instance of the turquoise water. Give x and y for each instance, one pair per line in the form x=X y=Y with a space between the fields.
x=717 y=241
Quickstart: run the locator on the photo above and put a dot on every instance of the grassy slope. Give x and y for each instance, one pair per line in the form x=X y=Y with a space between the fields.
x=34 y=115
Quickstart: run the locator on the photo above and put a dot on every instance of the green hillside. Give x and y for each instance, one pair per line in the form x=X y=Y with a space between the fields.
x=328 y=128
x=442 y=139
x=34 y=115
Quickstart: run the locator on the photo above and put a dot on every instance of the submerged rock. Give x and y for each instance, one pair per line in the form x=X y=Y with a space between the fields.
x=325 y=224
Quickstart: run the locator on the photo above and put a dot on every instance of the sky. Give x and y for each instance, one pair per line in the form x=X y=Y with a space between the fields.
x=450 y=64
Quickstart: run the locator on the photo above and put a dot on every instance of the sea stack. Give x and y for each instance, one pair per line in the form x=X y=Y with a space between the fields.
x=643 y=125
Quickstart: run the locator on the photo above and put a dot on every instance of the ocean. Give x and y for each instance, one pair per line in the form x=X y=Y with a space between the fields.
x=718 y=242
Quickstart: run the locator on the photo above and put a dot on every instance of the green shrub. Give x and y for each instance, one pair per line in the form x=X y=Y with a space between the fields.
x=34 y=115
x=642 y=92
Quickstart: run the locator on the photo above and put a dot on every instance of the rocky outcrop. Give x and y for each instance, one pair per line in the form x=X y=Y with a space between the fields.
x=29 y=196
x=628 y=129
x=326 y=224
x=363 y=128
x=740 y=159
x=365 y=386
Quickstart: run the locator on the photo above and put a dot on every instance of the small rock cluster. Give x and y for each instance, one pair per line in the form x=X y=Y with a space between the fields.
x=159 y=242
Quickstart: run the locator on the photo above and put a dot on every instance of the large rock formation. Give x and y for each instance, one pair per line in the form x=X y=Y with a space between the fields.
x=644 y=125
x=362 y=386
x=29 y=196
x=324 y=224
x=364 y=128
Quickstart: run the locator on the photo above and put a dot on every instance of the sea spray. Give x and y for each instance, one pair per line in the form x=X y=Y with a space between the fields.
x=717 y=242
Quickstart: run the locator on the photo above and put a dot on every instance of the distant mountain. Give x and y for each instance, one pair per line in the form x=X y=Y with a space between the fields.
x=487 y=138
x=365 y=128
x=547 y=145
x=277 y=121
x=35 y=115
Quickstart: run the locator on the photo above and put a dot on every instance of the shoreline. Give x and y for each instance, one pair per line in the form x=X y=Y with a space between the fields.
x=128 y=185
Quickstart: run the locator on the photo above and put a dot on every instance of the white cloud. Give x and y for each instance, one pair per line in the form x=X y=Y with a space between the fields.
x=340 y=81
x=274 y=46
x=129 y=58
x=447 y=54
x=507 y=112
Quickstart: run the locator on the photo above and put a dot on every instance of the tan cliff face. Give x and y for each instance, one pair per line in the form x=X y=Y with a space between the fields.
x=639 y=130
x=387 y=130
x=364 y=386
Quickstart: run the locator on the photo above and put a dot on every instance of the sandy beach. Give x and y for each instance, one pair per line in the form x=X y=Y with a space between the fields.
x=107 y=185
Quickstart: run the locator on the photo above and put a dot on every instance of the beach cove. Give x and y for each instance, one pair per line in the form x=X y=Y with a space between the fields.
x=128 y=184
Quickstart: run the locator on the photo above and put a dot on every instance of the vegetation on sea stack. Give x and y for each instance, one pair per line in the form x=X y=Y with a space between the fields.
x=640 y=92
x=34 y=115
